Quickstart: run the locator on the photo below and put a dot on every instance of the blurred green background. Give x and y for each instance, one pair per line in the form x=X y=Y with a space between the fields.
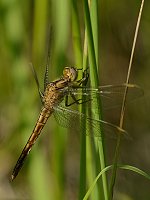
x=52 y=168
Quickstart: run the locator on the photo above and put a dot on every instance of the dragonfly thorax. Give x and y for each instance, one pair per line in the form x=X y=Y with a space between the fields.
x=71 y=73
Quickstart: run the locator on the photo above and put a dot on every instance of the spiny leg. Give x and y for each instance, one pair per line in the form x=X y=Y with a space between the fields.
x=75 y=101
x=46 y=78
x=85 y=78
x=37 y=83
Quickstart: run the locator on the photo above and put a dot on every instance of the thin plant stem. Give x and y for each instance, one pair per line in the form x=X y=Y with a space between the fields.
x=113 y=177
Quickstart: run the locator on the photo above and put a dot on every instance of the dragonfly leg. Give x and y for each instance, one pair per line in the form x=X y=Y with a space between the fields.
x=37 y=82
x=75 y=101
x=85 y=78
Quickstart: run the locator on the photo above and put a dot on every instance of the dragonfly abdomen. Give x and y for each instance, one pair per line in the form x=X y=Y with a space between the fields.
x=44 y=115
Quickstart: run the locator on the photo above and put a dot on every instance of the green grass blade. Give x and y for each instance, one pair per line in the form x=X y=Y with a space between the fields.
x=95 y=181
x=129 y=167
x=60 y=29
x=78 y=64
x=135 y=169
x=92 y=51
x=76 y=35
x=38 y=161
x=94 y=20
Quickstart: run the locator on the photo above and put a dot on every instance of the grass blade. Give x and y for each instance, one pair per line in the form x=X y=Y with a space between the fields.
x=99 y=145
x=129 y=167
x=123 y=106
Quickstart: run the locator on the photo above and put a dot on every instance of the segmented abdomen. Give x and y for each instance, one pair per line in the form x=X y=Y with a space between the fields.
x=44 y=115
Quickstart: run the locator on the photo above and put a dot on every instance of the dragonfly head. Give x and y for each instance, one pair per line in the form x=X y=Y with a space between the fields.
x=71 y=72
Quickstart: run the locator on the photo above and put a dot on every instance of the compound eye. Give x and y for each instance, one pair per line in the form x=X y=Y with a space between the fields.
x=74 y=73
x=66 y=71
x=71 y=72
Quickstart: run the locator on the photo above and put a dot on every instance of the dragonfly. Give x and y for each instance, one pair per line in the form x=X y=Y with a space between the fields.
x=64 y=92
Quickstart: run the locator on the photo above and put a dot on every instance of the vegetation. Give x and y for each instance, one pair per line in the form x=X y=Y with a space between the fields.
x=51 y=171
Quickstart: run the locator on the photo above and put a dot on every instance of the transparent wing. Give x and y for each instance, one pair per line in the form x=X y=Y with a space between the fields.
x=72 y=119
x=111 y=95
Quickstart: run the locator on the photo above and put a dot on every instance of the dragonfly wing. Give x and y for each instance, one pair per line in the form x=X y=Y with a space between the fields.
x=72 y=119
x=111 y=95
